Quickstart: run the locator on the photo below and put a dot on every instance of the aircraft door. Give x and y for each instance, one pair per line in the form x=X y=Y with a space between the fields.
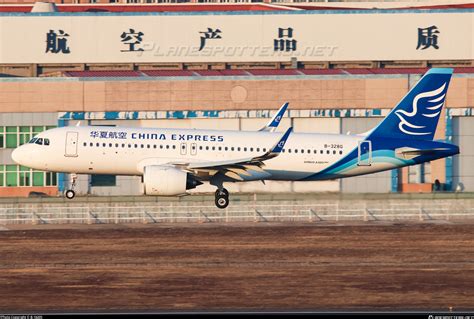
x=365 y=153
x=71 y=144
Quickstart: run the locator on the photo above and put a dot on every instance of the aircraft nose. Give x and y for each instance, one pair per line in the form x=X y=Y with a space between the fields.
x=18 y=155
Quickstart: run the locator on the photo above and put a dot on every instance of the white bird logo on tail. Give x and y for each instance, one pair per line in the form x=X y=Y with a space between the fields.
x=430 y=111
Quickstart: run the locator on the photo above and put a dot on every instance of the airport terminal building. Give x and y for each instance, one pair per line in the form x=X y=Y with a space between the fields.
x=231 y=70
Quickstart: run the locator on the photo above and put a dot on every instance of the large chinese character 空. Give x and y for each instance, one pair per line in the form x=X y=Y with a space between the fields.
x=428 y=37
x=132 y=39
x=209 y=34
x=285 y=41
x=56 y=42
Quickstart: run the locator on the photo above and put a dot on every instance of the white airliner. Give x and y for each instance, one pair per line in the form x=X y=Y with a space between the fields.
x=172 y=161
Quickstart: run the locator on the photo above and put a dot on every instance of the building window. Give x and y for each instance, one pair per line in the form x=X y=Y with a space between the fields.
x=16 y=175
x=14 y=136
x=103 y=180
x=420 y=173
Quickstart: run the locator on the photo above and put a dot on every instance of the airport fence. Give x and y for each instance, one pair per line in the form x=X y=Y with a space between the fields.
x=248 y=211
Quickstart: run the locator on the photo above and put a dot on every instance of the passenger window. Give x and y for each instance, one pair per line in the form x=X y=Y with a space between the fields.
x=142 y=146
x=251 y=149
x=309 y=151
x=161 y=146
x=220 y=148
x=258 y=149
x=207 y=148
x=264 y=149
x=296 y=150
x=238 y=149
x=91 y=144
x=245 y=149
x=334 y=152
x=340 y=152
x=327 y=152
x=226 y=148
x=97 y=144
x=167 y=146
x=289 y=150
x=85 y=144
x=174 y=147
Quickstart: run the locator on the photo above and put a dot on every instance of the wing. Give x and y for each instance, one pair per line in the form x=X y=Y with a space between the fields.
x=236 y=168
x=275 y=121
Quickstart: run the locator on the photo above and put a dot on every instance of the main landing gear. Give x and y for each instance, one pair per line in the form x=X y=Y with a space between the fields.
x=222 y=198
x=70 y=193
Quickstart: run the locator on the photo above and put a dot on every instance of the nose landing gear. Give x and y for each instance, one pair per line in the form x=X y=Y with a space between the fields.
x=70 y=193
x=222 y=198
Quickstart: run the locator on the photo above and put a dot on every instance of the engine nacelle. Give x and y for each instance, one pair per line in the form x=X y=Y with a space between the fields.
x=167 y=181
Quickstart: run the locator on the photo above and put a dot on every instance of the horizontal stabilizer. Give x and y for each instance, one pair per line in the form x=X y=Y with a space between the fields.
x=410 y=153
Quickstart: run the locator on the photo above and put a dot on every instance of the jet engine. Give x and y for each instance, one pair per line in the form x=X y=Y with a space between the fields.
x=167 y=181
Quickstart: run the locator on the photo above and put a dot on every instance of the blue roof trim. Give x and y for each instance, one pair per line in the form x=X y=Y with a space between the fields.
x=206 y=114
x=263 y=12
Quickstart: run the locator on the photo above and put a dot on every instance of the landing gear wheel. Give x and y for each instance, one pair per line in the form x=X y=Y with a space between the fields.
x=222 y=192
x=222 y=201
x=70 y=194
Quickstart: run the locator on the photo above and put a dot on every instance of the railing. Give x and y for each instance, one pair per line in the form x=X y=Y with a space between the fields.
x=284 y=211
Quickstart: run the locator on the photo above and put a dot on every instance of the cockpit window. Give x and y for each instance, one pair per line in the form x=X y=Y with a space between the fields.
x=39 y=141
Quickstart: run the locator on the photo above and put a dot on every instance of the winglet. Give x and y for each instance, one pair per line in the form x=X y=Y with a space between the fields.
x=276 y=119
x=278 y=147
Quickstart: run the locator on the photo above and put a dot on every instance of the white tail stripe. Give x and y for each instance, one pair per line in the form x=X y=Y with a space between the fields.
x=435 y=107
x=432 y=115
x=438 y=98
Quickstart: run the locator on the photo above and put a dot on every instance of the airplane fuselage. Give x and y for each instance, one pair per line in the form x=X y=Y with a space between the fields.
x=306 y=156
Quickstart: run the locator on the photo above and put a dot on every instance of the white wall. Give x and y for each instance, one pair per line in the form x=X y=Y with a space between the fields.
x=169 y=37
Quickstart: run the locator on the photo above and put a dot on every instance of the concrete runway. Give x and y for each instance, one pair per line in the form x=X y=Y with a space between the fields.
x=266 y=266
